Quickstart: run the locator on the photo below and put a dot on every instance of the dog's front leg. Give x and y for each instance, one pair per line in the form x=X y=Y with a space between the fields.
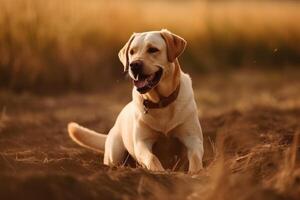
x=190 y=134
x=144 y=138
x=145 y=157
x=195 y=152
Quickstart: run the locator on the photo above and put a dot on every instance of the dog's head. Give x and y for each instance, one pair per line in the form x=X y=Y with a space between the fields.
x=148 y=57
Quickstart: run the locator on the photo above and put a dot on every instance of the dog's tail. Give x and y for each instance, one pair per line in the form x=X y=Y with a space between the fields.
x=86 y=137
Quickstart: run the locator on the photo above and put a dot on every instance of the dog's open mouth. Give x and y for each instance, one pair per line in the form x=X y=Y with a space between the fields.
x=144 y=83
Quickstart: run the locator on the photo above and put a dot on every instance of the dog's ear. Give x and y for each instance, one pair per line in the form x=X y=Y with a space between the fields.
x=175 y=44
x=123 y=53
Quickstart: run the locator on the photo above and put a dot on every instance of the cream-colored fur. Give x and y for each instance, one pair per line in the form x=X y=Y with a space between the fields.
x=134 y=131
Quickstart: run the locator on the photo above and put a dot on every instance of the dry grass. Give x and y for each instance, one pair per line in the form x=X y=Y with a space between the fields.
x=250 y=118
x=3 y=119
x=72 y=43
x=251 y=144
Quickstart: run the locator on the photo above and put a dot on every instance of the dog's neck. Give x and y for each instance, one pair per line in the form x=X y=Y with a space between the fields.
x=167 y=85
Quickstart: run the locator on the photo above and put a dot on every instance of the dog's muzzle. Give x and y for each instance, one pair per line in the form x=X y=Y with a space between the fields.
x=145 y=83
x=136 y=68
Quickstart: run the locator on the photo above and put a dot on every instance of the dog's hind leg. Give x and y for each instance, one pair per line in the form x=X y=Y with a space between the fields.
x=114 y=148
x=86 y=137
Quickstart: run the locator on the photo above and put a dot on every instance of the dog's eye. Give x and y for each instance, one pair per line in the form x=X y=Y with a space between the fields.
x=152 y=50
x=131 y=52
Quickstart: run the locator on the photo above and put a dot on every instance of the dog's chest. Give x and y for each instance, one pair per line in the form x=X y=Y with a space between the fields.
x=163 y=120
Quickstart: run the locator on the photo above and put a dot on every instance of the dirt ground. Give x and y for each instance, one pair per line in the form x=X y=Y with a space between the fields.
x=251 y=126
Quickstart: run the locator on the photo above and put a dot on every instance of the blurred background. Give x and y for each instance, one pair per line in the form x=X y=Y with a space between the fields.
x=54 y=46
x=59 y=63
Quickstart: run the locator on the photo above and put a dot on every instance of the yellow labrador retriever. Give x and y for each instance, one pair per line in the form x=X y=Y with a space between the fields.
x=162 y=104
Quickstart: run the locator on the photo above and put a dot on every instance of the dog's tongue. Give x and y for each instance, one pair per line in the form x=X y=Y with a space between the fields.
x=140 y=83
x=144 y=82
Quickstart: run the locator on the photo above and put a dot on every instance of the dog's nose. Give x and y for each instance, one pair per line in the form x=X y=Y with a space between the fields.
x=136 y=66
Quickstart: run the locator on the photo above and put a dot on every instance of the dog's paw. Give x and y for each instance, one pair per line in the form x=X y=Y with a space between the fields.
x=195 y=169
x=195 y=172
x=155 y=165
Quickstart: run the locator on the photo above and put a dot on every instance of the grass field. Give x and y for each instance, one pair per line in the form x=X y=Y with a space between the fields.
x=251 y=132
x=57 y=45
x=58 y=63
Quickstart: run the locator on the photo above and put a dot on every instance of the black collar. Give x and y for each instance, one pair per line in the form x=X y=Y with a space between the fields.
x=163 y=102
